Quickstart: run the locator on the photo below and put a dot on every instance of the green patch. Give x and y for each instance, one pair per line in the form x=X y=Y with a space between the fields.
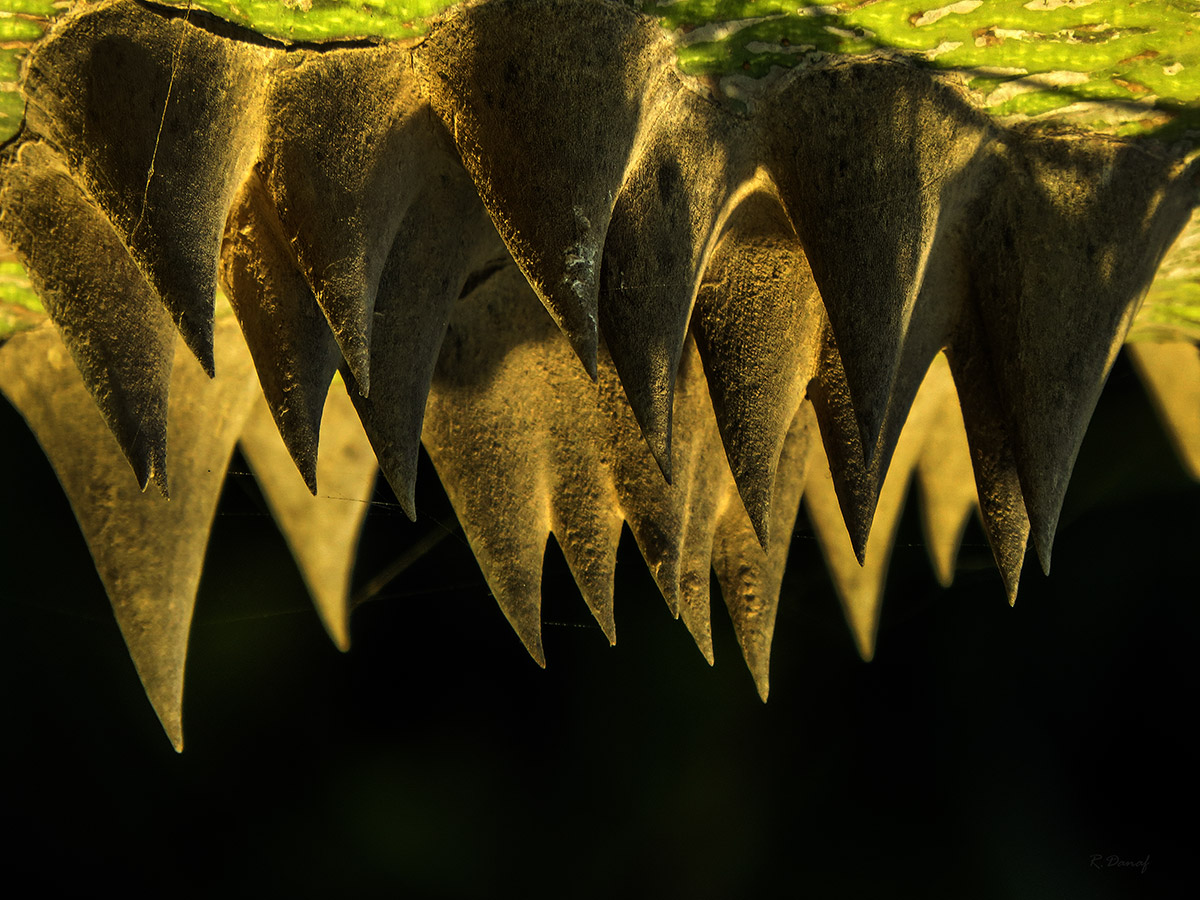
x=12 y=109
x=19 y=305
x=44 y=8
x=1138 y=56
x=1176 y=322
x=312 y=20
x=757 y=47
x=1173 y=301
x=689 y=13
x=14 y=319
x=10 y=64
x=15 y=289
x=984 y=85
x=1034 y=103
x=1141 y=59
x=18 y=28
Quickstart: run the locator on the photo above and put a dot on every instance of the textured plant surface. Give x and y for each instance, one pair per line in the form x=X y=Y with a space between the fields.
x=759 y=268
x=984 y=752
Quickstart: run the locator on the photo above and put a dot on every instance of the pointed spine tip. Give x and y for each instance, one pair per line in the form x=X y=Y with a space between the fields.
x=173 y=726
x=1045 y=544
x=1011 y=581
x=763 y=686
x=1010 y=573
x=301 y=444
x=160 y=481
x=1043 y=527
x=584 y=340
x=152 y=468
x=362 y=382
x=537 y=653
x=764 y=538
x=660 y=449
x=358 y=365
x=337 y=627
x=408 y=501
x=341 y=639
x=530 y=635
x=758 y=663
x=865 y=644
x=608 y=626
x=664 y=465
x=141 y=472
x=587 y=349
x=671 y=592
x=349 y=381
x=403 y=485
x=200 y=342
x=760 y=521
x=858 y=529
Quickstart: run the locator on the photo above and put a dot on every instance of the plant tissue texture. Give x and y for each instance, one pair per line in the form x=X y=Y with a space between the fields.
x=597 y=290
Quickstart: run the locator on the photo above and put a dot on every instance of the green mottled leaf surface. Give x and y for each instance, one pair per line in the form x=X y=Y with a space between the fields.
x=1130 y=68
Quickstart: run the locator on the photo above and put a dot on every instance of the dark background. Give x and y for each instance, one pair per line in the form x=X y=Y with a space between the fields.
x=986 y=752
